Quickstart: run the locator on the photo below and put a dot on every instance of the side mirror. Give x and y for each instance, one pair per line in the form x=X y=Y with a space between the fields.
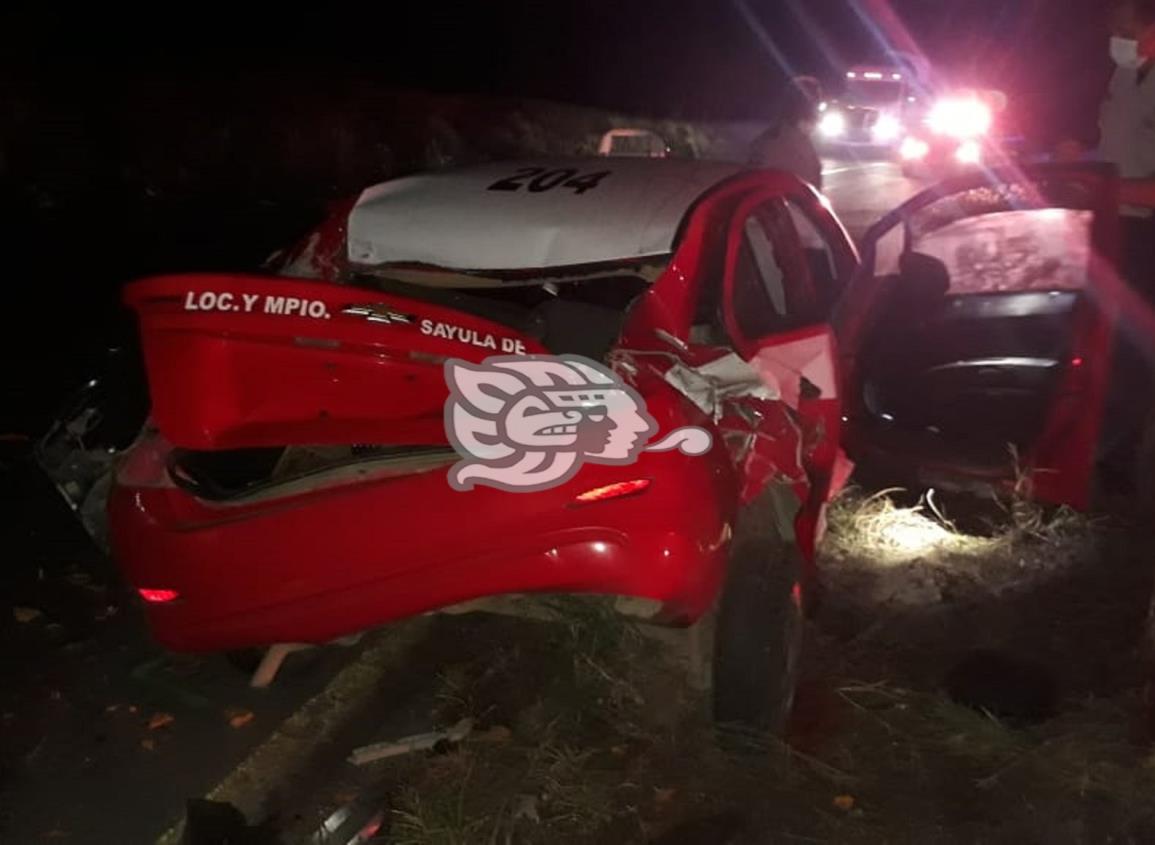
x=923 y=281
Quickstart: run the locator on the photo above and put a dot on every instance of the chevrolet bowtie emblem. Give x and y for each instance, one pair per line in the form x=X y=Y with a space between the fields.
x=378 y=312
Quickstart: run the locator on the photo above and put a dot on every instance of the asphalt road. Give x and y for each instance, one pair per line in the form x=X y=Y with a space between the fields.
x=863 y=191
x=862 y=187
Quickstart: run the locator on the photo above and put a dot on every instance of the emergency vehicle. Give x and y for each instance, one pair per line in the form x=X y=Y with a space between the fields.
x=876 y=107
x=962 y=128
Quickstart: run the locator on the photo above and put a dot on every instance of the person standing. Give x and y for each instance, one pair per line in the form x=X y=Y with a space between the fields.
x=788 y=144
x=1127 y=131
x=1127 y=140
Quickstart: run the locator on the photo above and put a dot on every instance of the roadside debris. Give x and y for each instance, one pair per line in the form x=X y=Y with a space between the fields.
x=239 y=718
x=417 y=742
x=24 y=615
x=271 y=663
x=160 y=720
x=844 y=802
x=362 y=817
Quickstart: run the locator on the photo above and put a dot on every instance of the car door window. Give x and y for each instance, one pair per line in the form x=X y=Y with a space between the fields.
x=772 y=287
x=708 y=327
x=821 y=257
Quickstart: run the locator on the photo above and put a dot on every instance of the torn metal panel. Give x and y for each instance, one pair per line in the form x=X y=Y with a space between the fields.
x=417 y=742
x=766 y=447
x=787 y=367
x=712 y=385
x=764 y=437
x=80 y=450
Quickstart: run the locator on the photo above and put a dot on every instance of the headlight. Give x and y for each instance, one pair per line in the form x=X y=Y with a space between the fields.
x=832 y=125
x=887 y=128
x=969 y=152
x=913 y=149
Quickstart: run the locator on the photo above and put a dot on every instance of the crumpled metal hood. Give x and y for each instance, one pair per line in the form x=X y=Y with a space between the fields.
x=530 y=215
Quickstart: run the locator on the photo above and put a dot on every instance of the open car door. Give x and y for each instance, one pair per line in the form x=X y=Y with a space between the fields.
x=787 y=259
x=978 y=332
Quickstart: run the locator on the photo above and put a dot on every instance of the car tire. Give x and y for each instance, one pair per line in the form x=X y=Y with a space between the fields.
x=759 y=627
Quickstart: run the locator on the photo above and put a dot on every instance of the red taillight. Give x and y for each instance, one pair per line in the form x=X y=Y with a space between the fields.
x=158 y=596
x=1076 y=362
x=612 y=491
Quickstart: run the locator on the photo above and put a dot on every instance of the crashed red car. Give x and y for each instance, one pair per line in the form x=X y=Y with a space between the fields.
x=291 y=485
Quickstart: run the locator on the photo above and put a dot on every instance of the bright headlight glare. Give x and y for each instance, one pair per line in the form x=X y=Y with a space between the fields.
x=887 y=128
x=960 y=118
x=832 y=125
x=969 y=152
x=913 y=149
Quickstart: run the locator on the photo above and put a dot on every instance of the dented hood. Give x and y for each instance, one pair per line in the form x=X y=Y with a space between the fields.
x=530 y=215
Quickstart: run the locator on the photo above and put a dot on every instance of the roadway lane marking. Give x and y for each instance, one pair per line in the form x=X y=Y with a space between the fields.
x=869 y=165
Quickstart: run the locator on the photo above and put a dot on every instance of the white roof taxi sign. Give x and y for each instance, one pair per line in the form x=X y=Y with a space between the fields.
x=519 y=216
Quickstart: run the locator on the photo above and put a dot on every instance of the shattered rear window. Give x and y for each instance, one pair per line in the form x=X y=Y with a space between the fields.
x=579 y=311
x=1040 y=195
x=1006 y=237
x=1033 y=249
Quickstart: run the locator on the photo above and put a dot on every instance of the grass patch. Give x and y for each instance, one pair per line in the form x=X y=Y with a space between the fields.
x=598 y=738
x=581 y=764
x=877 y=529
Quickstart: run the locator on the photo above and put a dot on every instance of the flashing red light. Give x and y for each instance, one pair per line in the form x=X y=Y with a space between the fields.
x=158 y=596
x=1076 y=362
x=612 y=491
x=961 y=118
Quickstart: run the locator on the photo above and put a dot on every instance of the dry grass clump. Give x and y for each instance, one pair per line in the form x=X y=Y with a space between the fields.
x=1018 y=535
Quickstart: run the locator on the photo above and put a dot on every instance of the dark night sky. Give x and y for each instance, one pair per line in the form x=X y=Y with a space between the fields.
x=236 y=112
x=693 y=57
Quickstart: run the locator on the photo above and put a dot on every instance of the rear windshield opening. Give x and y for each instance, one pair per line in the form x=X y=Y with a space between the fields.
x=579 y=312
x=229 y=474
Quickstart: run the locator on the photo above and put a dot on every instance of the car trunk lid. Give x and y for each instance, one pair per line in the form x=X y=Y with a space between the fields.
x=238 y=361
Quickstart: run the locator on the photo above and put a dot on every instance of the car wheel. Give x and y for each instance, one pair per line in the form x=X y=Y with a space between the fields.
x=758 y=634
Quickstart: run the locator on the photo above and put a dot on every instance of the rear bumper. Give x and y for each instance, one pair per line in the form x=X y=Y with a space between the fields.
x=325 y=564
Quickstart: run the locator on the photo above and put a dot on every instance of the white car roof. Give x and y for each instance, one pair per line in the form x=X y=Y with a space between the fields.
x=537 y=216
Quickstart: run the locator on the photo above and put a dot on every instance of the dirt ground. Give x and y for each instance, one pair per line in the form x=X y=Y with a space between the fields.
x=959 y=688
